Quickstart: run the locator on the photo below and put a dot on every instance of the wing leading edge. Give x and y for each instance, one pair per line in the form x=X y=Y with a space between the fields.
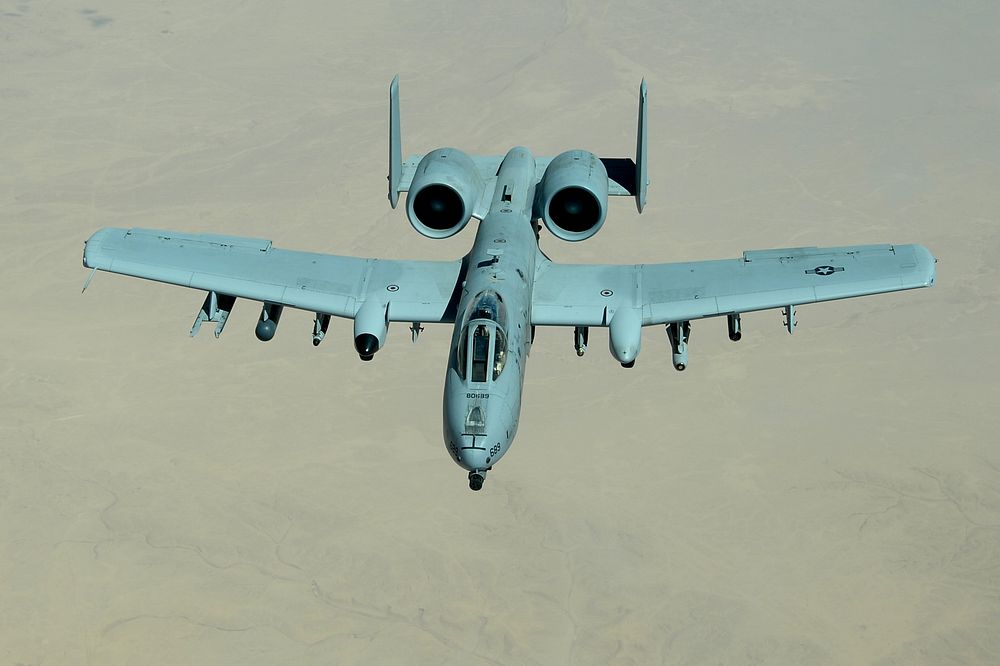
x=251 y=268
x=589 y=295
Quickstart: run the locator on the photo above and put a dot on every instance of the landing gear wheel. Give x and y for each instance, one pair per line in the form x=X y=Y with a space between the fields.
x=476 y=481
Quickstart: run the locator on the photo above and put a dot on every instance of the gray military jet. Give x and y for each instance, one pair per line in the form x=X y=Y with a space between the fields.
x=505 y=286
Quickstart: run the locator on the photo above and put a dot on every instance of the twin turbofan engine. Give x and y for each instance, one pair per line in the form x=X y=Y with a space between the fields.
x=443 y=193
x=571 y=199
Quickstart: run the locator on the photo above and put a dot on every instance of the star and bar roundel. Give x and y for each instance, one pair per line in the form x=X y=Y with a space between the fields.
x=825 y=270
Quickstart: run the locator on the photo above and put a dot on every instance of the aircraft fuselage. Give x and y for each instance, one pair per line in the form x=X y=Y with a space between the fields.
x=482 y=394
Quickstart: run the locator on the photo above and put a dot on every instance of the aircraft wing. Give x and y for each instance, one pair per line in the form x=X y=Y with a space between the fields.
x=234 y=267
x=589 y=295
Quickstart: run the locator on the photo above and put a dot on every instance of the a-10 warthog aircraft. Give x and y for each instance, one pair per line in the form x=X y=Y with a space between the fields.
x=505 y=286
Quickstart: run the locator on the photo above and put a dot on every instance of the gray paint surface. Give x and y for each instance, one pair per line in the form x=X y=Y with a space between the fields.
x=481 y=416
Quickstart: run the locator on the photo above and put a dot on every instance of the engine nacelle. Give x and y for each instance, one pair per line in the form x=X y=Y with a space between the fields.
x=443 y=193
x=573 y=195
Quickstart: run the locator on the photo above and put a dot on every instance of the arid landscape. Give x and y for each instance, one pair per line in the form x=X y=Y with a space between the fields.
x=831 y=497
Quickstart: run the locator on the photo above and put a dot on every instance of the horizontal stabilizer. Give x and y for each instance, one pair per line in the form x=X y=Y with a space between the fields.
x=621 y=176
x=626 y=177
x=621 y=172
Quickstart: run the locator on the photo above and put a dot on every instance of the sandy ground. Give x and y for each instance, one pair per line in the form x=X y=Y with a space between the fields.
x=831 y=497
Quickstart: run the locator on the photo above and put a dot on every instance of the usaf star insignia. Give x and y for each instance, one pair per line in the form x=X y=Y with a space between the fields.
x=825 y=270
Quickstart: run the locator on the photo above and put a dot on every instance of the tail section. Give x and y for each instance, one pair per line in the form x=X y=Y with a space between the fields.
x=641 y=177
x=625 y=177
x=628 y=178
x=395 y=143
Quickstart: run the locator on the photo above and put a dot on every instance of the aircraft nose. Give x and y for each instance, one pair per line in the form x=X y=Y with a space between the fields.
x=474 y=459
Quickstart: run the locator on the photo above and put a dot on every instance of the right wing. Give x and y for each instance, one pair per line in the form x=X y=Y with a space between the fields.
x=589 y=295
x=235 y=267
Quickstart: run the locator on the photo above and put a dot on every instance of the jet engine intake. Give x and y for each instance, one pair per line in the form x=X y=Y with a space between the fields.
x=573 y=196
x=443 y=193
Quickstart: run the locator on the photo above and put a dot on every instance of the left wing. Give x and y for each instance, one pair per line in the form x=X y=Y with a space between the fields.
x=589 y=295
x=236 y=267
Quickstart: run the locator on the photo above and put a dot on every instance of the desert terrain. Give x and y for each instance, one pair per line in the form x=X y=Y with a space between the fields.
x=830 y=497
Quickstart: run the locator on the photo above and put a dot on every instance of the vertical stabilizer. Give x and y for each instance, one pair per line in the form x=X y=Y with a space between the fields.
x=641 y=178
x=395 y=147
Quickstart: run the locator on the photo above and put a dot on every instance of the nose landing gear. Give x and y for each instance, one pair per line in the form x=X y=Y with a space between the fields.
x=476 y=480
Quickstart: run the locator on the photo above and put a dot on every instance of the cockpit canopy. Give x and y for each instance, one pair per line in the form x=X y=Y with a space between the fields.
x=483 y=339
x=487 y=305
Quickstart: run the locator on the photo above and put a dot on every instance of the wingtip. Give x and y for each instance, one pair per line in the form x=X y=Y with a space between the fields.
x=927 y=262
x=92 y=248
